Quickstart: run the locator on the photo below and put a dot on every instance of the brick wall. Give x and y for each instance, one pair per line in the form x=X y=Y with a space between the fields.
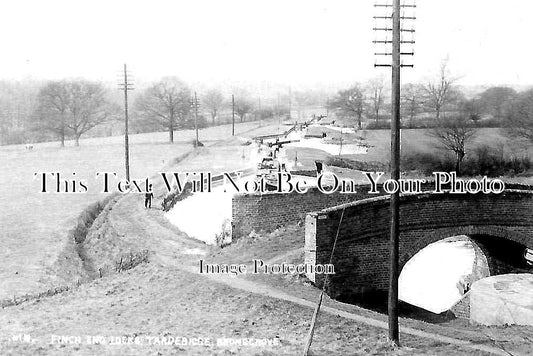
x=361 y=256
x=269 y=211
x=461 y=309
x=266 y=212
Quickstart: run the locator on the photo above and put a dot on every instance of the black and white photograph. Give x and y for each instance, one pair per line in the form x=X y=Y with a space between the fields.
x=252 y=177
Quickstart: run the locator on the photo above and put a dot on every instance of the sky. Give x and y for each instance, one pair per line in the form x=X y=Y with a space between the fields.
x=292 y=42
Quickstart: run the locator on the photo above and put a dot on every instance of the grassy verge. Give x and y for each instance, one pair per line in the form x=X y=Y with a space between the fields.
x=285 y=245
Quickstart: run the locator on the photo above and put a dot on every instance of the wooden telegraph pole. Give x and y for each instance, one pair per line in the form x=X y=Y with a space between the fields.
x=394 y=334
x=126 y=85
x=232 y=115
x=395 y=149
x=196 y=116
x=290 y=103
x=194 y=105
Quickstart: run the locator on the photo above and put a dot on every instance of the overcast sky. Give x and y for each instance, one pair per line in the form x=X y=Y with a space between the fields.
x=297 y=42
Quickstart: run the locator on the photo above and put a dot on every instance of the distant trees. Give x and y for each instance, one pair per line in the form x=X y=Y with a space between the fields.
x=213 y=101
x=18 y=100
x=376 y=96
x=411 y=102
x=495 y=100
x=165 y=103
x=72 y=107
x=280 y=107
x=350 y=102
x=302 y=99
x=471 y=109
x=520 y=116
x=243 y=106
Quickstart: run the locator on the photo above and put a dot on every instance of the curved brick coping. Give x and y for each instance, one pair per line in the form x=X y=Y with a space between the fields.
x=406 y=197
x=364 y=187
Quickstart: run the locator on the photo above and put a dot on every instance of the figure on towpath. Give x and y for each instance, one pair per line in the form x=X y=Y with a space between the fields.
x=148 y=197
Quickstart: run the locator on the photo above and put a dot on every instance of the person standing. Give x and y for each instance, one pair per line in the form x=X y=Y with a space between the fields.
x=148 y=197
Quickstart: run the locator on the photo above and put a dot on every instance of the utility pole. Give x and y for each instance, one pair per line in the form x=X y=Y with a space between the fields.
x=394 y=333
x=258 y=111
x=340 y=149
x=195 y=105
x=396 y=65
x=278 y=109
x=126 y=86
x=290 y=108
x=232 y=115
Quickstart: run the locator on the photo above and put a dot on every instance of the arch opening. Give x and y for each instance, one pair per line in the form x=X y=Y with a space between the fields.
x=505 y=256
x=440 y=274
x=470 y=254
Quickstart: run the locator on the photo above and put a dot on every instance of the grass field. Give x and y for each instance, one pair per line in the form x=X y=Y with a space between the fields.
x=34 y=225
x=421 y=141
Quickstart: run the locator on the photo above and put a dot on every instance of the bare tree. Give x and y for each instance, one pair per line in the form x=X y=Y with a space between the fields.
x=51 y=110
x=73 y=107
x=438 y=91
x=411 y=101
x=454 y=134
x=350 y=102
x=87 y=107
x=213 y=101
x=519 y=121
x=165 y=103
x=376 y=96
x=243 y=106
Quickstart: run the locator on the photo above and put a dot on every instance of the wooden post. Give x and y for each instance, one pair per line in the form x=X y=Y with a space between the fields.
x=395 y=175
x=232 y=115
x=196 y=117
x=126 y=139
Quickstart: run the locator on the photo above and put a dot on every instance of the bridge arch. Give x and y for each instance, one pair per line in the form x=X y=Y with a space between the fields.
x=484 y=237
x=361 y=256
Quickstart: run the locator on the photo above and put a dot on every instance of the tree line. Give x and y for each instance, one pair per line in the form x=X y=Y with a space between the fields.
x=68 y=109
x=33 y=111
x=442 y=108
x=430 y=103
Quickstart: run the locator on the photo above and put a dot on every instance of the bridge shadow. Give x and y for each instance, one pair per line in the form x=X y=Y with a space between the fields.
x=378 y=300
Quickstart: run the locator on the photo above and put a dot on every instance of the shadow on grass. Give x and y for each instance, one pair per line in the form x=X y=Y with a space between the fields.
x=377 y=301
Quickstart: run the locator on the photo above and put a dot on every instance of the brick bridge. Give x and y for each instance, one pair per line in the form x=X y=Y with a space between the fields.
x=501 y=226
